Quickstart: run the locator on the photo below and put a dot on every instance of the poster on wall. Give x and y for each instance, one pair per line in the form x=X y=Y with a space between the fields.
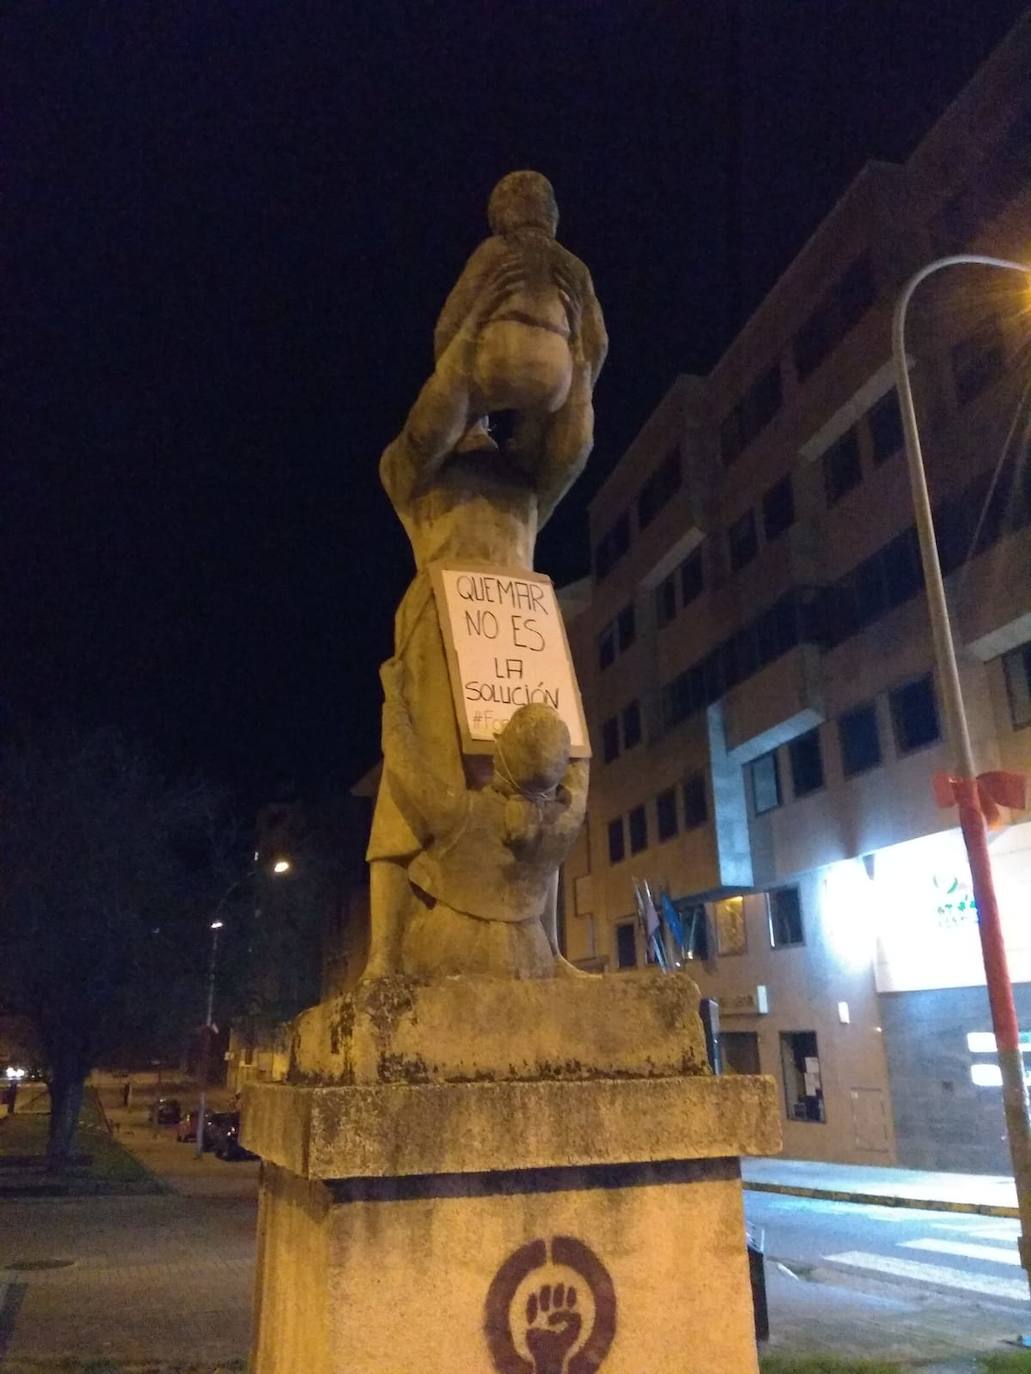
x=506 y=647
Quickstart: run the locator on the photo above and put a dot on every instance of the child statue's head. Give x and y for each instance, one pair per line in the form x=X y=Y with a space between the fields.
x=523 y=200
x=533 y=750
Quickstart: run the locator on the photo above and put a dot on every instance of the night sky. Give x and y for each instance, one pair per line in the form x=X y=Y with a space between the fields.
x=230 y=227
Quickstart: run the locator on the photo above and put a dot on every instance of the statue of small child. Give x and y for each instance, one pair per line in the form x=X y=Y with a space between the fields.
x=522 y=331
x=482 y=880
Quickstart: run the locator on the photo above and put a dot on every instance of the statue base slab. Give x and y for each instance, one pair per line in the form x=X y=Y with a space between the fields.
x=463 y=1029
x=549 y=1227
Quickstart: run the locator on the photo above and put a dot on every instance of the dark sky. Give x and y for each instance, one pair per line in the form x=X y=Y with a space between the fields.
x=230 y=227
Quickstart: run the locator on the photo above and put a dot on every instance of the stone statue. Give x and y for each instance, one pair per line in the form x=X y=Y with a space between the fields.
x=521 y=332
x=481 y=884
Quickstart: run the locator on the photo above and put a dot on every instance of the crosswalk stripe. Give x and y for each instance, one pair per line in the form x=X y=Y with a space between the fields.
x=995 y=1254
x=1014 y=1289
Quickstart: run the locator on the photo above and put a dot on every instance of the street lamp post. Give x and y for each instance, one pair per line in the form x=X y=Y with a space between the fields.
x=966 y=790
x=205 y=1051
x=279 y=867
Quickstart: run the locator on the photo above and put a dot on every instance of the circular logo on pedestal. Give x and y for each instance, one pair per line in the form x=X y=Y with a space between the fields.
x=551 y=1309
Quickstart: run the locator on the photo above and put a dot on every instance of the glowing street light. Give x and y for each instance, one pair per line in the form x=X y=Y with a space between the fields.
x=281 y=866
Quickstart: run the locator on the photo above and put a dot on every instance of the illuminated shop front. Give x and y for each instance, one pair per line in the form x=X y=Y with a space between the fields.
x=943 y=1073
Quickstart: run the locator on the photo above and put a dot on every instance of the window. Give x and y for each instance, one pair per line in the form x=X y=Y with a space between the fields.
x=761 y=402
x=696 y=807
x=730 y=436
x=842 y=308
x=659 y=488
x=743 y=541
x=841 y=470
x=915 y=715
x=691 y=578
x=610 y=739
x=779 y=508
x=757 y=408
x=613 y=544
x=806 y=763
x=1017 y=667
x=666 y=811
x=860 y=740
x=886 y=427
x=853 y=295
x=626 y=626
x=812 y=343
x=977 y=361
x=626 y=945
x=665 y=601
x=617 y=844
x=607 y=646
x=765 y=783
x=638 y=820
x=696 y=929
x=803 y=1090
x=728 y=917
x=785 y=917
x=632 y=725
x=903 y=571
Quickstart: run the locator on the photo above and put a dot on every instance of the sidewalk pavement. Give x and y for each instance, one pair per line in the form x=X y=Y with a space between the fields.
x=990 y=1195
x=163 y=1276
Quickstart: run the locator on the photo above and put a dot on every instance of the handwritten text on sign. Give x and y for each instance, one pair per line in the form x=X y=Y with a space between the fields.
x=507 y=648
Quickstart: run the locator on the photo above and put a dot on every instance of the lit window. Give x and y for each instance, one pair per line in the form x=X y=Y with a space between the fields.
x=803 y=1085
x=981 y=1042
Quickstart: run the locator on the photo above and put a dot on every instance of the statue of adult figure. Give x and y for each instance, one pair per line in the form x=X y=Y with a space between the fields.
x=521 y=331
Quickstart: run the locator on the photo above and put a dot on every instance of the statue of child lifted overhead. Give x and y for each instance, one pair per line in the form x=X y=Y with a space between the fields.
x=482 y=879
x=521 y=331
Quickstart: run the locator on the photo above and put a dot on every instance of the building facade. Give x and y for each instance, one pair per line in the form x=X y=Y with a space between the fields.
x=757 y=666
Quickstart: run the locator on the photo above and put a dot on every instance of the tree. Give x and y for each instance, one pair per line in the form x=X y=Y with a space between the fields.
x=108 y=873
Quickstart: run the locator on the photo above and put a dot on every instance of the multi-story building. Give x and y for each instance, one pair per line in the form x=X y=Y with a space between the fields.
x=757 y=665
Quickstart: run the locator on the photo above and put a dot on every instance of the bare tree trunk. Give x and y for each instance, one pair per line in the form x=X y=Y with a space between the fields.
x=66 y=1087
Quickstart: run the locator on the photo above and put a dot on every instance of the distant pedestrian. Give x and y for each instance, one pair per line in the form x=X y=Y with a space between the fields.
x=127 y=1093
x=11 y=1096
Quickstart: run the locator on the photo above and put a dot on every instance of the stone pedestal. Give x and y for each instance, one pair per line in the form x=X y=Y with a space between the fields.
x=487 y=1218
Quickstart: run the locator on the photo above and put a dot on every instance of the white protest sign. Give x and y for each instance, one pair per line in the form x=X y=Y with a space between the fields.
x=506 y=647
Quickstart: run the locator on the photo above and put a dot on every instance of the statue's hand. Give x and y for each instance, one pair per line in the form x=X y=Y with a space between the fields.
x=507 y=277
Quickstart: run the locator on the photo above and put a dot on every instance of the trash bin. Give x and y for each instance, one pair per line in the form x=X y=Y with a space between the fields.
x=757 y=1277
